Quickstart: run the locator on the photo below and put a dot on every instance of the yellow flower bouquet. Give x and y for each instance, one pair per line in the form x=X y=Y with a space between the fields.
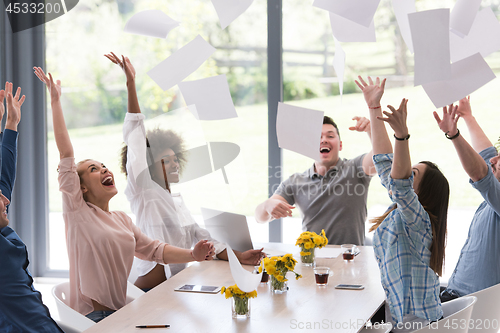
x=308 y=242
x=277 y=267
x=241 y=300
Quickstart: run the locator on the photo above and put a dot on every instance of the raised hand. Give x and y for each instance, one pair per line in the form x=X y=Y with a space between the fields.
x=450 y=118
x=14 y=104
x=124 y=63
x=397 y=119
x=2 y=108
x=54 y=87
x=464 y=110
x=371 y=91
x=362 y=124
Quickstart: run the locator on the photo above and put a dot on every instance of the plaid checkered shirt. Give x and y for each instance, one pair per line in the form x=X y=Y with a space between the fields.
x=402 y=246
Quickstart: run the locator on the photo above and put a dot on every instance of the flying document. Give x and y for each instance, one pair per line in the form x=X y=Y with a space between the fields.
x=230 y=10
x=339 y=65
x=483 y=37
x=211 y=96
x=468 y=75
x=358 y=11
x=246 y=281
x=430 y=33
x=152 y=23
x=179 y=65
x=299 y=129
x=345 y=30
x=462 y=16
x=401 y=9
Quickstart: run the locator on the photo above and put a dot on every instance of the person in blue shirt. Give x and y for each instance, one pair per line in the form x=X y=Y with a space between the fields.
x=409 y=239
x=478 y=266
x=21 y=307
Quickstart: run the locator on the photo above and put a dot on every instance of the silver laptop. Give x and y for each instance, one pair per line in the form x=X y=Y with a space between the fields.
x=228 y=228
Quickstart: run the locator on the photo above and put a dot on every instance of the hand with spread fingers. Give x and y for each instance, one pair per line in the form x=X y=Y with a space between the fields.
x=125 y=64
x=450 y=118
x=14 y=104
x=397 y=119
x=54 y=87
x=362 y=124
x=371 y=91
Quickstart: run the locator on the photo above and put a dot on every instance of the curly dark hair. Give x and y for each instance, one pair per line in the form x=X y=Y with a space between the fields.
x=158 y=140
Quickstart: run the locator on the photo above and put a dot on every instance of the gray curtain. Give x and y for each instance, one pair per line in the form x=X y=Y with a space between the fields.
x=28 y=211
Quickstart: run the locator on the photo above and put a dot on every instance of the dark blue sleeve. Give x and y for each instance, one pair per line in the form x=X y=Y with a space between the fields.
x=8 y=162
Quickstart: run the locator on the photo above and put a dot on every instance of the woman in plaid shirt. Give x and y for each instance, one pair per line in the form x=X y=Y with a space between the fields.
x=409 y=238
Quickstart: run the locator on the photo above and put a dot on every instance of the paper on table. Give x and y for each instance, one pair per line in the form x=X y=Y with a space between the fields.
x=179 y=65
x=211 y=97
x=153 y=23
x=359 y=11
x=483 y=37
x=339 y=65
x=431 y=43
x=346 y=30
x=299 y=129
x=230 y=10
x=401 y=9
x=328 y=252
x=462 y=15
x=468 y=75
x=245 y=280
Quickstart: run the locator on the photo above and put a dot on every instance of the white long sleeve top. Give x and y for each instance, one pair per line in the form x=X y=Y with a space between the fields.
x=159 y=214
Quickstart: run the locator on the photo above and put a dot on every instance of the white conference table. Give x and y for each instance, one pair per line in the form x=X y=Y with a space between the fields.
x=305 y=307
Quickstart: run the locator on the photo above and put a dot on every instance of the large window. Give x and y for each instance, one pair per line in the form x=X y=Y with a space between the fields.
x=94 y=101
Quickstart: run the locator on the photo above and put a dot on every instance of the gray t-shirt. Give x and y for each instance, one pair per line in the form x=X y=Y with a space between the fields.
x=335 y=202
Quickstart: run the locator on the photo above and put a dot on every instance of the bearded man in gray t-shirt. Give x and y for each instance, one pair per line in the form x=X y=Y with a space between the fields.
x=331 y=194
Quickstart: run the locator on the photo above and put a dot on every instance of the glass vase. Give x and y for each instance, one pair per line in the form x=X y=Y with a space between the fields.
x=240 y=307
x=278 y=287
x=307 y=260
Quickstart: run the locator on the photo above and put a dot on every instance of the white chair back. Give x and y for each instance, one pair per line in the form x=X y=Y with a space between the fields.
x=456 y=315
x=72 y=320
x=133 y=292
x=485 y=316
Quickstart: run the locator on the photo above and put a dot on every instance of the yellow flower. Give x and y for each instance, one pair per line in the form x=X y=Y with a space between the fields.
x=234 y=291
x=304 y=253
x=271 y=270
x=297 y=276
x=308 y=246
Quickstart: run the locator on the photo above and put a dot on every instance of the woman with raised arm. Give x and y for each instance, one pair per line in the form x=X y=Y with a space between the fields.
x=101 y=244
x=409 y=238
x=151 y=162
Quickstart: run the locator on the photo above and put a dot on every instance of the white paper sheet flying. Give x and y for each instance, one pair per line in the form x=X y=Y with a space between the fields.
x=359 y=11
x=339 y=65
x=431 y=43
x=468 y=75
x=401 y=9
x=328 y=252
x=211 y=97
x=483 y=37
x=299 y=129
x=346 y=30
x=462 y=15
x=230 y=10
x=179 y=65
x=152 y=23
x=245 y=280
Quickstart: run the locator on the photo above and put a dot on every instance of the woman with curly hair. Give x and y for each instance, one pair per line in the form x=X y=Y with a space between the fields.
x=153 y=160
